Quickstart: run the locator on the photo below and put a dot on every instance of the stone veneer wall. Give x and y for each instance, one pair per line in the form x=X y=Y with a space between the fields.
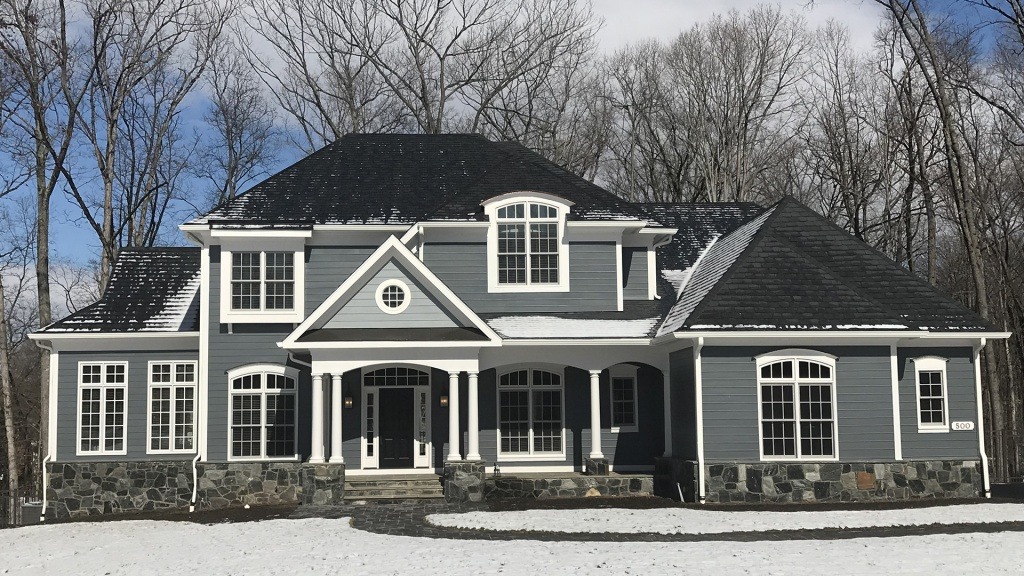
x=88 y=488
x=464 y=481
x=574 y=487
x=843 y=482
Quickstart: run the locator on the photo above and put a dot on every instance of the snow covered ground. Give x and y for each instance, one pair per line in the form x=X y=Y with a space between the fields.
x=691 y=521
x=290 y=547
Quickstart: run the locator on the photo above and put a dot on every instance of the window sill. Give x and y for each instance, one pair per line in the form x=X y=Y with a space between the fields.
x=101 y=453
x=526 y=288
x=936 y=430
x=295 y=458
x=261 y=317
x=535 y=457
x=810 y=460
x=168 y=452
x=624 y=429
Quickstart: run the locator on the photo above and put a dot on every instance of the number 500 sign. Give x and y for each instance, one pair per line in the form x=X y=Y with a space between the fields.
x=963 y=425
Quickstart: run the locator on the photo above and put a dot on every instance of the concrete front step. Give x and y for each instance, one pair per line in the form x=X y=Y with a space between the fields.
x=393 y=488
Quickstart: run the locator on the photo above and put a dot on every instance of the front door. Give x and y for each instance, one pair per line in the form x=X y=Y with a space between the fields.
x=396 y=427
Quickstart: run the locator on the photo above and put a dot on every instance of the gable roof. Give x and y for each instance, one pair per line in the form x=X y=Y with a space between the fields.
x=790 y=268
x=391 y=250
x=403 y=179
x=150 y=290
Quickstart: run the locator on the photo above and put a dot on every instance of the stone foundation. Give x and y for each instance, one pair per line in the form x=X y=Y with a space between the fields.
x=89 y=488
x=567 y=487
x=464 y=481
x=842 y=482
x=595 y=466
x=675 y=478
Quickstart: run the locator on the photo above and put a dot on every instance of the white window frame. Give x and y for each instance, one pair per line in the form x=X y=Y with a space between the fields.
x=532 y=455
x=491 y=208
x=379 y=296
x=796 y=355
x=372 y=461
x=173 y=385
x=263 y=370
x=623 y=371
x=103 y=386
x=931 y=364
x=296 y=314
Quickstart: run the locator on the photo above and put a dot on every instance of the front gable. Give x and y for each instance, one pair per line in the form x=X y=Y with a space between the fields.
x=359 y=311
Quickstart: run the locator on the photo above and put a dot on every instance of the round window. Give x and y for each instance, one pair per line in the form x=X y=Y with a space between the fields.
x=393 y=296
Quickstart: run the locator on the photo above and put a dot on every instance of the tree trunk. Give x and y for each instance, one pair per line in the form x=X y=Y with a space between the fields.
x=7 y=392
x=42 y=283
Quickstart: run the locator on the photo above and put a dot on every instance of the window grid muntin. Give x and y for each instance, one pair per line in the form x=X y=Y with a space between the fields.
x=788 y=391
x=531 y=416
x=263 y=416
x=931 y=408
x=172 y=393
x=623 y=396
x=528 y=244
x=263 y=280
x=102 y=408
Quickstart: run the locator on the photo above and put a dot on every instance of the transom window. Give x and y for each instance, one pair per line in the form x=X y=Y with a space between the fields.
x=530 y=412
x=102 y=394
x=932 y=408
x=172 y=393
x=528 y=244
x=263 y=414
x=797 y=409
x=262 y=280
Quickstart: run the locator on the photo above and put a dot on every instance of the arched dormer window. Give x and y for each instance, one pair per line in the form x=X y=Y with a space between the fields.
x=526 y=249
x=797 y=405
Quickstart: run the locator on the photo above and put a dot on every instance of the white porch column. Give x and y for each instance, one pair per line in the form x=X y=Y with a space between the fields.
x=473 y=450
x=595 y=415
x=316 y=454
x=336 y=414
x=453 y=416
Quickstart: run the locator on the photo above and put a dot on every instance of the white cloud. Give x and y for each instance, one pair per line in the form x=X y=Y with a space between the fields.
x=626 y=21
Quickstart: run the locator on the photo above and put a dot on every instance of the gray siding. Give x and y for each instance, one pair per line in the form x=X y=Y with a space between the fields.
x=362 y=310
x=137 y=407
x=639 y=448
x=962 y=406
x=684 y=405
x=592 y=277
x=634 y=277
x=863 y=403
x=327 y=267
x=248 y=344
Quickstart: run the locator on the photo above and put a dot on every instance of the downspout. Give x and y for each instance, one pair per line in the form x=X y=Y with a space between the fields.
x=698 y=385
x=987 y=489
x=49 y=440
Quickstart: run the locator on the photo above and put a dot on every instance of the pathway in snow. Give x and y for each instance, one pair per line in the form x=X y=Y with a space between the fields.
x=694 y=521
x=320 y=546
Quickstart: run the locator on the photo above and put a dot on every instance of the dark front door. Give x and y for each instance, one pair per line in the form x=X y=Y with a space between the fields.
x=396 y=427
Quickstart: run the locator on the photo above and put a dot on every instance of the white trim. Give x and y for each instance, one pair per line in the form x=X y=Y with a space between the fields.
x=296 y=313
x=619 y=272
x=795 y=356
x=420 y=462
x=531 y=455
x=897 y=420
x=698 y=385
x=102 y=335
x=362 y=227
x=981 y=417
x=406 y=296
x=623 y=371
x=52 y=417
x=811 y=333
x=173 y=385
x=931 y=364
x=513 y=470
x=203 y=404
x=491 y=208
x=250 y=234
x=393 y=247
x=652 y=275
x=103 y=386
x=264 y=369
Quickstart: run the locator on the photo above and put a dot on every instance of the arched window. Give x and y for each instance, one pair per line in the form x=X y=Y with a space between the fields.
x=530 y=413
x=526 y=250
x=796 y=394
x=932 y=407
x=263 y=412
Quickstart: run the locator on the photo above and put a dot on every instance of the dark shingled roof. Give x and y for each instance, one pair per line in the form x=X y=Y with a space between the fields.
x=697 y=224
x=403 y=179
x=792 y=269
x=150 y=290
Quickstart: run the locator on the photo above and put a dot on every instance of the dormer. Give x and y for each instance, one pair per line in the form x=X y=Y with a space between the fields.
x=526 y=246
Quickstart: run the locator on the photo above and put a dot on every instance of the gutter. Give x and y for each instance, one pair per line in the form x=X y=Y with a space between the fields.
x=49 y=439
x=698 y=385
x=987 y=489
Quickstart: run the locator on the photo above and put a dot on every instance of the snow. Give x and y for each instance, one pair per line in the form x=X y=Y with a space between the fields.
x=289 y=547
x=691 y=521
x=800 y=327
x=552 y=327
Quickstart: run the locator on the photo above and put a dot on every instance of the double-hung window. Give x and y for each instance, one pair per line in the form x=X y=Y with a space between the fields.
x=102 y=406
x=797 y=408
x=932 y=405
x=263 y=413
x=172 y=397
x=530 y=413
x=262 y=281
x=623 y=398
x=526 y=248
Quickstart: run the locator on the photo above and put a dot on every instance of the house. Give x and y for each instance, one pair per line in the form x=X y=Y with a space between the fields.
x=448 y=306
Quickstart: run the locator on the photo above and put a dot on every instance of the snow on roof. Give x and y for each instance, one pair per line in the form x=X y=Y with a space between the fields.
x=712 y=264
x=550 y=327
